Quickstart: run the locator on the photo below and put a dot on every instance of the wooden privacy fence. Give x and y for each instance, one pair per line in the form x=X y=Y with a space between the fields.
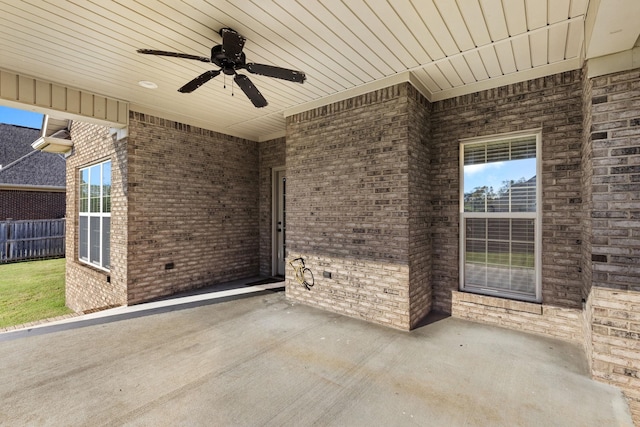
x=31 y=239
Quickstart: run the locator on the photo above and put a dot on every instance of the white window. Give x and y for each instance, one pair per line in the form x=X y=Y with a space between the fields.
x=500 y=216
x=95 y=215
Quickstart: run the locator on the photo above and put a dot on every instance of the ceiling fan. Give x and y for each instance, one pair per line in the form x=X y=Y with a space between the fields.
x=230 y=58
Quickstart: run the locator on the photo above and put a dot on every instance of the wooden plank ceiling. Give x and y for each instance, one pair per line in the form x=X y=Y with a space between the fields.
x=450 y=47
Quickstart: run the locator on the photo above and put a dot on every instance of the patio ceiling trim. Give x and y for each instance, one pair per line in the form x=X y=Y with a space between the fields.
x=621 y=61
x=29 y=93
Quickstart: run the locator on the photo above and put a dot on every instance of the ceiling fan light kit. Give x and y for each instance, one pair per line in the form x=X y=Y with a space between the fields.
x=230 y=58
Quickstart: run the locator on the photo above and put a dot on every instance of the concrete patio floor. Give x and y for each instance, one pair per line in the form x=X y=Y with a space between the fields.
x=261 y=360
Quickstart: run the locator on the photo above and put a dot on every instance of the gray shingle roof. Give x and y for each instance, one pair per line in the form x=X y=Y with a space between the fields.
x=22 y=165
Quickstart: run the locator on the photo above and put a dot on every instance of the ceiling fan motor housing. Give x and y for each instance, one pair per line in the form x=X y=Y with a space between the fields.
x=227 y=64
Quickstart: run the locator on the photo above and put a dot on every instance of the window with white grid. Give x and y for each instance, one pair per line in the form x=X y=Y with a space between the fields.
x=95 y=215
x=500 y=218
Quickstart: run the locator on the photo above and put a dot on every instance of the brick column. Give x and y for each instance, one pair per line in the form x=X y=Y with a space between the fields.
x=353 y=210
x=614 y=295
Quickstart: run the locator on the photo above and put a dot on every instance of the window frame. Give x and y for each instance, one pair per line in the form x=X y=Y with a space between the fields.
x=536 y=216
x=100 y=215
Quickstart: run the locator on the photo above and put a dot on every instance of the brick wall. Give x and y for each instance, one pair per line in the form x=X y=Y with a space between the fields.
x=420 y=286
x=542 y=319
x=348 y=205
x=554 y=104
x=193 y=208
x=615 y=223
x=18 y=204
x=271 y=154
x=587 y=206
x=88 y=287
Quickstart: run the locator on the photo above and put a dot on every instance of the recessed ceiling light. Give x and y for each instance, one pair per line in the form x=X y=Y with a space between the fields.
x=147 y=84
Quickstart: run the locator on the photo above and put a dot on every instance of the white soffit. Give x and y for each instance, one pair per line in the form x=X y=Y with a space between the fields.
x=55 y=137
x=52 y=145
x=52 y=125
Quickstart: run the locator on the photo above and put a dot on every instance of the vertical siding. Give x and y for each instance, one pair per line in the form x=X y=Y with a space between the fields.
x=31 y=91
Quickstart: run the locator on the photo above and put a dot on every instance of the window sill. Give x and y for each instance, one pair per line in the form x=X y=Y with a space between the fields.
x=93 y=267
x=507 y=304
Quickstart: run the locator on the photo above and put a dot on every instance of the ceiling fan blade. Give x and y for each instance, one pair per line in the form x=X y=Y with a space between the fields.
x=199 y=81
x=173 y=54
x=232 y=43
x=277 y=72
x=250 y=90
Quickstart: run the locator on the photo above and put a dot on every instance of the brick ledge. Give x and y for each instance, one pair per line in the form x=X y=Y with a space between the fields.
x=489 y=301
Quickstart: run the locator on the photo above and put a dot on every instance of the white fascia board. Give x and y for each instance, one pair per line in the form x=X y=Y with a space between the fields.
x=621 y=61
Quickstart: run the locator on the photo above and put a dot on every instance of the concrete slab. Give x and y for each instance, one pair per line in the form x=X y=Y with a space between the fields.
x=262 y=360
x=196 y=298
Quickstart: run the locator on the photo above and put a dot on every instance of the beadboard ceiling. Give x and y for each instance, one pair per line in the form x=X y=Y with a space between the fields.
x=345 y=47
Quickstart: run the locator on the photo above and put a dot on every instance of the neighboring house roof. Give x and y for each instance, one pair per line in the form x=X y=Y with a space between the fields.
x=15 y=142
x=24 y=166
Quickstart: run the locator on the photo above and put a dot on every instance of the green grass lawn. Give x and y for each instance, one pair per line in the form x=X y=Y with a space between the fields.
x=31 y=291
x=517 y=259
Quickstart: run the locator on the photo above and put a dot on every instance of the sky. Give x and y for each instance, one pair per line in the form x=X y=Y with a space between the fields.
x=494 y=174
x=24 y=118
